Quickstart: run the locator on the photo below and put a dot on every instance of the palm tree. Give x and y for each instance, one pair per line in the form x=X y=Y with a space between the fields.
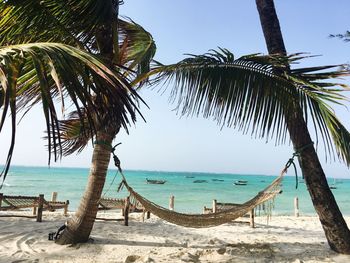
x=258 y=100
x=101 y=94
x=333 y=223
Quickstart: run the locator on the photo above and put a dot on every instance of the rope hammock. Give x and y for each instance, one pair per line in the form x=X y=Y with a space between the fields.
x=212 y=219
x=208 y=220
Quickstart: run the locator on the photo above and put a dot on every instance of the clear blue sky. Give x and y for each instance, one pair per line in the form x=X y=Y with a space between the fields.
x=168 y=142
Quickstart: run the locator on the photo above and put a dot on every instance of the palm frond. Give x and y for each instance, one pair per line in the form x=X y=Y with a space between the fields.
x=253 y=93
x=74 y=136
x=44 y=72
x=73 y=22
x=345 y=37
x=137 y=47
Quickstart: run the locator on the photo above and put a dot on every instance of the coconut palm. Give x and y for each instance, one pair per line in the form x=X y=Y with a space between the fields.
x=333 y=223
x=263 y=101
x=109 y=53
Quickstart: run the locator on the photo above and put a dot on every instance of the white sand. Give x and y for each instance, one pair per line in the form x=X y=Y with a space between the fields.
x=284 y=239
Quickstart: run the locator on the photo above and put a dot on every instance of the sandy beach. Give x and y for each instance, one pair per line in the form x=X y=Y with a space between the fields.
x=283 y=239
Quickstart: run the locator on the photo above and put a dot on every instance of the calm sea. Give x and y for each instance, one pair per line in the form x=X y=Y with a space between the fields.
x=189 y=196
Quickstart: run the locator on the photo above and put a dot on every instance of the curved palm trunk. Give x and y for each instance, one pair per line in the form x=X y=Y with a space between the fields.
x=80 y=225
x=333 y=223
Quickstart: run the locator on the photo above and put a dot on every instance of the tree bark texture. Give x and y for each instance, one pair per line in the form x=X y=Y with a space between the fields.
x=80 y=225
x=333 y=223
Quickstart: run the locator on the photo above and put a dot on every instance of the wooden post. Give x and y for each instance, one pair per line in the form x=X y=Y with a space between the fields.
x=1 y=197
x=148 y=215
x=54 y=196
x=40 y=208
x=65 y=210
x=214 y=205
x=251 y=216
x=34 y=210
x=35 y=205
x=143 y=215
x=126 y=211
x=171 y=203
x=296 y=206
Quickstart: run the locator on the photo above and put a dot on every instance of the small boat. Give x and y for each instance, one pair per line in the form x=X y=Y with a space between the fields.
x=200 y=181
x=150 y=181
x=240 y=182
x=217 y=180
x=333 y=185
x=189 y=176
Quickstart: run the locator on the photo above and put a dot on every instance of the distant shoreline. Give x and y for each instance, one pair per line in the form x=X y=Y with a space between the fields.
x=161 y=171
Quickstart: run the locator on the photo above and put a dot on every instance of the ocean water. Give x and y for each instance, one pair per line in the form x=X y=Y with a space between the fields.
x=189 y=196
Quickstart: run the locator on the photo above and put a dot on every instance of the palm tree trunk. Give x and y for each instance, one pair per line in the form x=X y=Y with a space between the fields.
x=333 y=223
x=80 y=225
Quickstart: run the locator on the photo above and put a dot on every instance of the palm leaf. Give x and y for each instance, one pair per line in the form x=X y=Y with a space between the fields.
x=137 y=47
x=73 y=22
x=345 y=37
x=253 y=93
x=73 y=134
x=45 y=72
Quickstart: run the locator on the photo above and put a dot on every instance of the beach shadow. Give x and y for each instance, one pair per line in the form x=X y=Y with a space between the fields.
x=104 y=241
x=281 y=252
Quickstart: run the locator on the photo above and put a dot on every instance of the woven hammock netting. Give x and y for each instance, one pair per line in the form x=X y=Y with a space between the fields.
x=208 y=220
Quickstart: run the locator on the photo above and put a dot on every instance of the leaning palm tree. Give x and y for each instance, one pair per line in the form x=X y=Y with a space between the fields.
x=333 y=223
x=45 y=72
x=124 y=49
x=264 y=101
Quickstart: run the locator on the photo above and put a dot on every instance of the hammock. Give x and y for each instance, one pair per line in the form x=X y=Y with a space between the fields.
x=213 y=219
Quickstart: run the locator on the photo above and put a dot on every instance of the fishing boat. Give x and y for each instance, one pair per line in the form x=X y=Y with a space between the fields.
x=333 y=185
x=217 y=180
x=240 y=182
x=151 y=181
x=200 y=181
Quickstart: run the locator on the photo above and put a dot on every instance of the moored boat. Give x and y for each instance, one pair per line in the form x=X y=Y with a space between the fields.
x=152 y=181
x=217 y=180
x=240 y=182
x=200 y=181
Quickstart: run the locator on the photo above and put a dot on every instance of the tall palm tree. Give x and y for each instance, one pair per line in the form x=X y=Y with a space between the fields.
x=263 y=101
x=91 y=26
x=333 y=223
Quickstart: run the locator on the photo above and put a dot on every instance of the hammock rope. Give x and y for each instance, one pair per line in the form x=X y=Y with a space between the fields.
x=208 y=220
x=212 y=219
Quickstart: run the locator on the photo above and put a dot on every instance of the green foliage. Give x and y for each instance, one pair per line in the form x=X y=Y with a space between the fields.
x=47 y=73
x=254 y=93
x=44 y=72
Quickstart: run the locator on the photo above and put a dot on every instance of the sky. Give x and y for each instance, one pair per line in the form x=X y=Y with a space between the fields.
x=169 y=142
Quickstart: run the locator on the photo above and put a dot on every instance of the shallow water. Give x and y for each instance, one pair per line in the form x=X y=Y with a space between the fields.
x=189 y=197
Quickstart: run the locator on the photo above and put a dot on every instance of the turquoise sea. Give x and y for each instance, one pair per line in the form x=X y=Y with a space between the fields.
x=189 y=196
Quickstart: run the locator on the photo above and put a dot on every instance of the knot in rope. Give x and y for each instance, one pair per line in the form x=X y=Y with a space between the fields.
x=291 y=162
x=115 y=157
